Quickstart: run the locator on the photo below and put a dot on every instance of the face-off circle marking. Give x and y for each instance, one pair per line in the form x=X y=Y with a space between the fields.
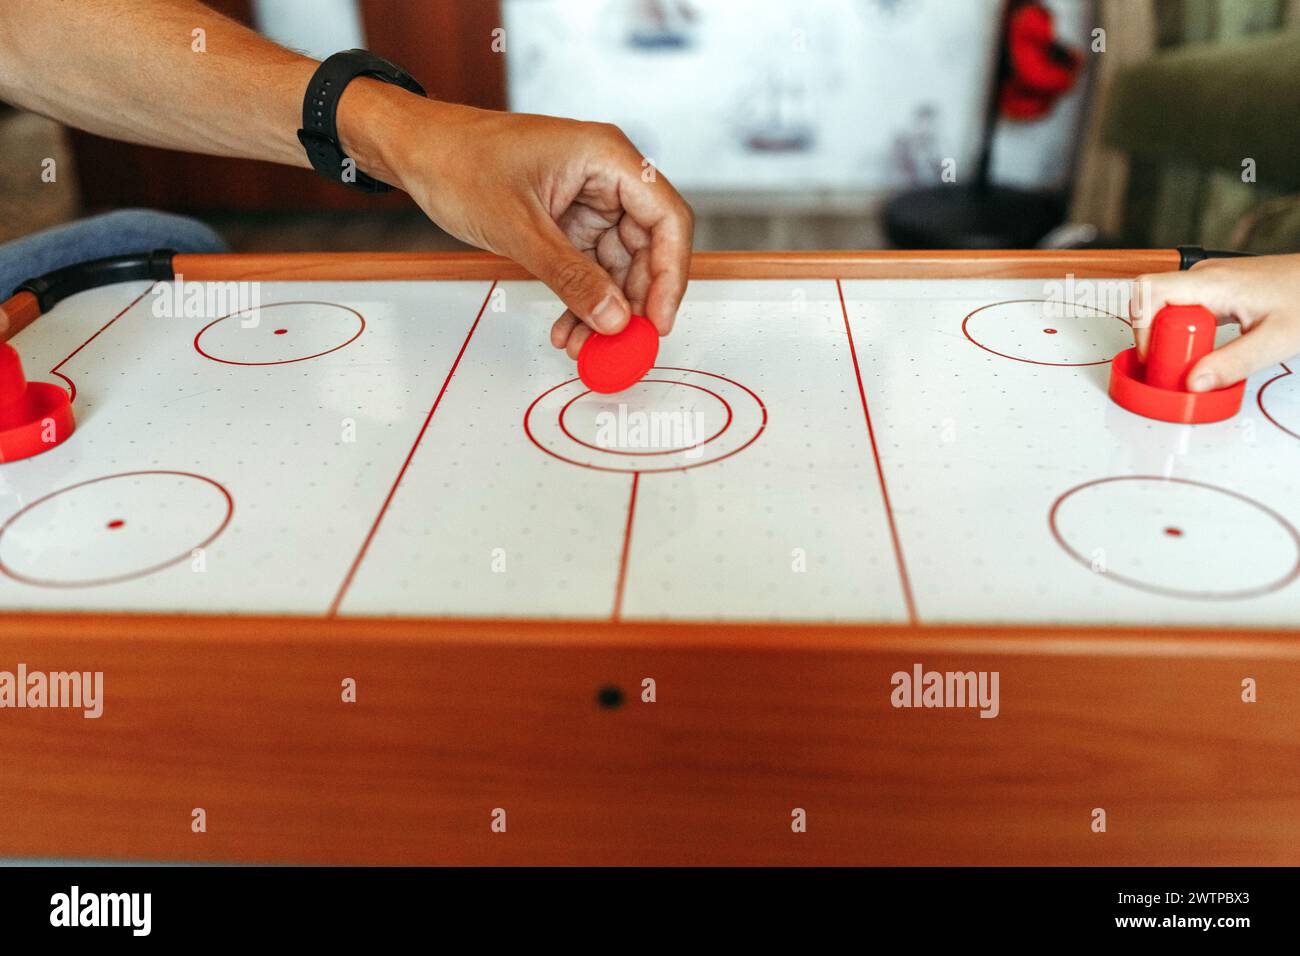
x=1279 y=400
x=112 y=529
x=280 y=333
x=1176 y=537
x=1043 y=332
x=697 y=418
x=591 y=405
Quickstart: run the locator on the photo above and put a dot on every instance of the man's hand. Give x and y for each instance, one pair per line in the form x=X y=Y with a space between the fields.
x=574 y=203
x=1261 y=294
x=569 y=201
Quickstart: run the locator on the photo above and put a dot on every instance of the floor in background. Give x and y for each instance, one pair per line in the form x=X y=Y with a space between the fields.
x=332 y=230
x=29 y=204
x=409 y=230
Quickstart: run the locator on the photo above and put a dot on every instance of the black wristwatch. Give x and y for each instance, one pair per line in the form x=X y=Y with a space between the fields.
x=319 y=134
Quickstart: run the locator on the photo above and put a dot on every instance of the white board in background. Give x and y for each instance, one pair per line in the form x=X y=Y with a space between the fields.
x=307 y=451
x=978 y=447
x=487 y=523
x=765 y=96
x=318 y=28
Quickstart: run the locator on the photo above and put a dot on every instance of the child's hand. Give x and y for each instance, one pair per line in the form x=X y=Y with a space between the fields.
x=1261 y=294
x=572 y=202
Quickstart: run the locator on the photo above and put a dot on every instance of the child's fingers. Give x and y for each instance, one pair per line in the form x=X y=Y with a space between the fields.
x=1266 y=344
x=1197 y=286
x=1141 y=337
x=1149 y=295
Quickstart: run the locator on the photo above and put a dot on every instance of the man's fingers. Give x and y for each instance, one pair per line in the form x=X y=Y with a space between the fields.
x=579 y=335
x=1266 y=344
x=563 y=328
x=670 y=265
x=636 y=284
x=615 y=259
x=659 y=210
x=583 y=286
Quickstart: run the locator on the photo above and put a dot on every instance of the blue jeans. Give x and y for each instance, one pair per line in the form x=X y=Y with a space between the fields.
x=112 y=234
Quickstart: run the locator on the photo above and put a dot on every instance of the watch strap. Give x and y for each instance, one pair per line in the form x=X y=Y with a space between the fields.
x=319 y=134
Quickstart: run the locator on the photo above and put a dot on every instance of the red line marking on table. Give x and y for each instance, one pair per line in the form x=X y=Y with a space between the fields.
x=1259 y=399
x=72 y=386
x=365 y=545
x=880 y=470
x=627 y=545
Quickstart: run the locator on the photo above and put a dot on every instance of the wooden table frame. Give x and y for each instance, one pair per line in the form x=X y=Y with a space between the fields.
x=458 y=720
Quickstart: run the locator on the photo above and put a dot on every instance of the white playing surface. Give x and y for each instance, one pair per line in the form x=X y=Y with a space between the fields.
x=227 y=467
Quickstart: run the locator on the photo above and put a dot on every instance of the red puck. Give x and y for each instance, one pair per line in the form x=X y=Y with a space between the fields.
x=34 y=416
x=611 y=363
x=1181 y=335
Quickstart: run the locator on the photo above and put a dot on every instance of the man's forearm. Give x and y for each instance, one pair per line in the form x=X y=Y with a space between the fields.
x=134 y=70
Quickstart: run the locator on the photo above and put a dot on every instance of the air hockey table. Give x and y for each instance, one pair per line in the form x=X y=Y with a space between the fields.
x=365 y=586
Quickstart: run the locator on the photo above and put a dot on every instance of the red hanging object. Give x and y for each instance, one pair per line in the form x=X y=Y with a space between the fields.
x=1019 y=103
x=1040 y=69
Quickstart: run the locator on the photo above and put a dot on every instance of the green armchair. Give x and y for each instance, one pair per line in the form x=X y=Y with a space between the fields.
x=1212 y=133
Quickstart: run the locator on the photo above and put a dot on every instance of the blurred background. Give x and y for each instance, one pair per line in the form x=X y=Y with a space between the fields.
x=792 y=124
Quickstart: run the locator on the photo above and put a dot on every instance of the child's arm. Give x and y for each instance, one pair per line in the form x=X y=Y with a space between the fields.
x=1262 y=294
